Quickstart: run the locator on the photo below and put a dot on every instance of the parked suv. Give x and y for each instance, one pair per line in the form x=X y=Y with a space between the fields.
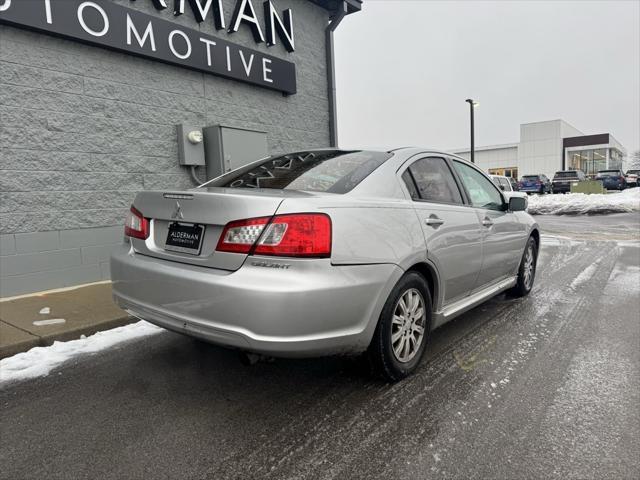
x=563 y=179
x=633 y=178
x=612 y=179
x=535 y=184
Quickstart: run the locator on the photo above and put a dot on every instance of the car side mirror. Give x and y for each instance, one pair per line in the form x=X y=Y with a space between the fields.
x=517 y=204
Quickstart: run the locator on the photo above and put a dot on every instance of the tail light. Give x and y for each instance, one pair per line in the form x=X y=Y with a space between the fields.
x=538 y=182
x=622 y=179
x=291 y=235
x=136 y=225
x=240 y=236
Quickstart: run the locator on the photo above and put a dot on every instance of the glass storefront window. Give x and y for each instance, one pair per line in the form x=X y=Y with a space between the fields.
x=590 y=161
x=615 y=159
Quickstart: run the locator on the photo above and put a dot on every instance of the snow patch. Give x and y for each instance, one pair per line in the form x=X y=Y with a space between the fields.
x=50 y=321
x=39 y=361
x=581 y=203
x=584 y=276
x=45 y=311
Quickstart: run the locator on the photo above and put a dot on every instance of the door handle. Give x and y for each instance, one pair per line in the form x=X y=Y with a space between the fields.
x=486 y=222
x=433 y=221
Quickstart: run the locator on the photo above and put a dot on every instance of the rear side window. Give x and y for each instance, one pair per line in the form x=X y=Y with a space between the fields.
x=320 y=171
x=434 y=181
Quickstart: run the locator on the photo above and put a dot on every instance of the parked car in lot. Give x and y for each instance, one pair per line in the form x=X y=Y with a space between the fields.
x=326 y=252
x=535 y=184
x=506 y=184
x=632 y=178
x=563 y=179
x=612 y=179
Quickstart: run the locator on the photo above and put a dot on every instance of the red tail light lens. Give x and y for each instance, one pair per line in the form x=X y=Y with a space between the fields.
x=297 y=235
x=240 y=236
x=293 y=235
x=136 y=225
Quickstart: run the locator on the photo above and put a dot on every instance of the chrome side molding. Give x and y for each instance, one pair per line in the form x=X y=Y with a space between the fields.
x=458 y=308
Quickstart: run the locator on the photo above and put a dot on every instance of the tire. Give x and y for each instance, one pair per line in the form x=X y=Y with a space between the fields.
x=525 y=282
x=397 y=363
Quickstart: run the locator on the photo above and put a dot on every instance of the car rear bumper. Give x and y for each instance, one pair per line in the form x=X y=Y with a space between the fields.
x=311 y=308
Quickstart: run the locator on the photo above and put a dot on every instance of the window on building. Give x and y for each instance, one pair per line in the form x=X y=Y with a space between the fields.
x=590 y=161
x=433 y=180
x=615 y=159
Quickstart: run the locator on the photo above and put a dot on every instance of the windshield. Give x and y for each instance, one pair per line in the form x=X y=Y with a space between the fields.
x=332 y=171
x=567 y=174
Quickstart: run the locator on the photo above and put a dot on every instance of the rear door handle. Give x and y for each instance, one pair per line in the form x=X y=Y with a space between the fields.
x=433 y=221
x=486 y=222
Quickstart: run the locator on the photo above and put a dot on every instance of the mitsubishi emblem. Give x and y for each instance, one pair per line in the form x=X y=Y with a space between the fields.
x=177 y=213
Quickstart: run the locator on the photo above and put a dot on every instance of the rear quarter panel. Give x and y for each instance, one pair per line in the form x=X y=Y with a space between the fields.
x=368 y=230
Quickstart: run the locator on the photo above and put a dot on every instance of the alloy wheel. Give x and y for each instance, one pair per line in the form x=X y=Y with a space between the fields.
x=408 y=325
x=529 y=266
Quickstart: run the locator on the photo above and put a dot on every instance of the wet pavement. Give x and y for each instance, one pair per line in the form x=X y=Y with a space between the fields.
x=542 y=387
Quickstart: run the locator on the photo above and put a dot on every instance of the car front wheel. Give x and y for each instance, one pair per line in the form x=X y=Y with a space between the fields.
x=401 y=334
x=527 y=270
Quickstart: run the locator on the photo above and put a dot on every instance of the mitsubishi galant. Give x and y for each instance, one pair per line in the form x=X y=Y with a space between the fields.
x=326 y=252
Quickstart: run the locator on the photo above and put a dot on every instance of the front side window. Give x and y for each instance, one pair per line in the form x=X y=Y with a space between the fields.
x=434 y=181
x=482 y=191
x=331 y=171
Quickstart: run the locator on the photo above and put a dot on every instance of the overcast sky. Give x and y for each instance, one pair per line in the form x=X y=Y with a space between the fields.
x=405 y=67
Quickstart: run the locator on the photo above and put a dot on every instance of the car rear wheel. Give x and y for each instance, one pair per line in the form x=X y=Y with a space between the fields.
x=401 y=334
x=527 y=270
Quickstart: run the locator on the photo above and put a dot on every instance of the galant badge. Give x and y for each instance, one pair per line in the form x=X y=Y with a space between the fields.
x=177 y=213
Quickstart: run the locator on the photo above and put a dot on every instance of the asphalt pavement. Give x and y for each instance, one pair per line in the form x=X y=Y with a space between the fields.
x=542 y=387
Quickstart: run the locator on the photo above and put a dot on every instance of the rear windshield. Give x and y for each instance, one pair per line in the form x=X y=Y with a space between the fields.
x=633 y=172
x=608 y=173
x=572 y=173
x=530 y=177
x=319 y=171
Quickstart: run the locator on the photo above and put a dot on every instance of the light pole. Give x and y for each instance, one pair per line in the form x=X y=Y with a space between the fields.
x=472 y=105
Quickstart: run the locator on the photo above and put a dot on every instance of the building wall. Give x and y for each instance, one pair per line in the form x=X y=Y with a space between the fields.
x=541 y=147
x=494 y=157
x=83 y=129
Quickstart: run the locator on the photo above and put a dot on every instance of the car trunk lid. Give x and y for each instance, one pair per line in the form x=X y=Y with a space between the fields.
x=210 y=208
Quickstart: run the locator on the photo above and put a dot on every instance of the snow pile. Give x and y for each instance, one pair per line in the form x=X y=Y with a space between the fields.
x=39 y=361
x=580 y=203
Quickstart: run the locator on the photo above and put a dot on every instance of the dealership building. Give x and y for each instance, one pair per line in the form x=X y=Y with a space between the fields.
x=546 y=147
x=100 y=99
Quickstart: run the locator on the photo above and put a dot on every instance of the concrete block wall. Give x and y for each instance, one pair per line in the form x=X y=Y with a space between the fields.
x=45 y=260
x=82 y=129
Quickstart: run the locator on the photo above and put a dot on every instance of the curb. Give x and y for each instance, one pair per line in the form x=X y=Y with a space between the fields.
x=72 y=334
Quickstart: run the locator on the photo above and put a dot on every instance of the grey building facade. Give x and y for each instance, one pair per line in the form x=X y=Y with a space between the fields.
x=83 y=127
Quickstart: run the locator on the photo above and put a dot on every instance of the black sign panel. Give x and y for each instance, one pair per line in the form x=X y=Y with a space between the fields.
x=104 y=23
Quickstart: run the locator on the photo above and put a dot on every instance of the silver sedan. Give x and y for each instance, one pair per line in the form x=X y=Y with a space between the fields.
x=326 y=252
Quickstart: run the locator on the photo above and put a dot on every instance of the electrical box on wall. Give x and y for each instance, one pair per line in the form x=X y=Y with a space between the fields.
x=190 y=145
x=227 y=148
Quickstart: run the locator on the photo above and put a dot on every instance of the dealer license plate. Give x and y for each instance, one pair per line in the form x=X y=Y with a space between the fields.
x=185 y=238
